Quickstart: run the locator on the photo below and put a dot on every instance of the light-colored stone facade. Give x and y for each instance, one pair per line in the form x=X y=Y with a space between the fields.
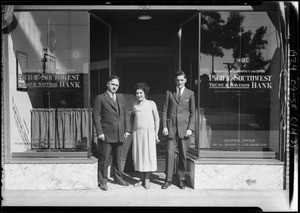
x=233 y=176
x=50 y=176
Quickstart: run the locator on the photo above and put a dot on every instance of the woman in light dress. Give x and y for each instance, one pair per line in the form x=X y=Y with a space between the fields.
x=145 y=123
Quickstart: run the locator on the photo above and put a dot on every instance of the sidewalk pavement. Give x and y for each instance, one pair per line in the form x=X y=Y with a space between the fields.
x=266 y=200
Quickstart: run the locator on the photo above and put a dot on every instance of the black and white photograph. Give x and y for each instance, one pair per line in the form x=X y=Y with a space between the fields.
x=150 y=104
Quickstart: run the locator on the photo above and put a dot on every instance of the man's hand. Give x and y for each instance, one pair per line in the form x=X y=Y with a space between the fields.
x=188 y=133
x=101 y=137
x=165 y=131
x=126 y=134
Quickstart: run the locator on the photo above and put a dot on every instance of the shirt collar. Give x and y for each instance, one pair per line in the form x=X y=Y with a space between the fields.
x=111 y=94
x=181 y=91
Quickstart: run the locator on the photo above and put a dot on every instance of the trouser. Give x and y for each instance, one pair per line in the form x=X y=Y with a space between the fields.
x=105 y=151
x=182 y=145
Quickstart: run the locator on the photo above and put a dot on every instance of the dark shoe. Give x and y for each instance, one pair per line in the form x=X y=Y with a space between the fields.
x=181 y=184
x=166 y=185
x=122 y=183
x=103 y=186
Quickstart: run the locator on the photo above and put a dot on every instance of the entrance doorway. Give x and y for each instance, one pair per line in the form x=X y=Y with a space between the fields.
x=136 y=51
x=156 y=73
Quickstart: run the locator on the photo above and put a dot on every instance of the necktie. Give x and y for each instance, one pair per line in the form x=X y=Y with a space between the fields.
x=179 y=94
x=114 y=97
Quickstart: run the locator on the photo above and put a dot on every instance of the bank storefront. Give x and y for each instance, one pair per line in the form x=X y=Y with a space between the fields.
x=57 y=59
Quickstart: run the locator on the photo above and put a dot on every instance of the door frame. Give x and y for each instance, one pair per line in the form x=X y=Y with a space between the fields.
x=194 y=152
x=109 y=38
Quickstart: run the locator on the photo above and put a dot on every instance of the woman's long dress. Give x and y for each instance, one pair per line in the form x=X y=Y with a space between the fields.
x=144 y=143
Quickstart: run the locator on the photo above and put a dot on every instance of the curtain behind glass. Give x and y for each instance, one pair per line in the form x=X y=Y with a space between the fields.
x=61 y=128
x=43 y=127
x=73 y=128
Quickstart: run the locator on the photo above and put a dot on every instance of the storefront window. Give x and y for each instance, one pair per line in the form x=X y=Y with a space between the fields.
x=49 y=91
x=232 y=61
x=239 y=80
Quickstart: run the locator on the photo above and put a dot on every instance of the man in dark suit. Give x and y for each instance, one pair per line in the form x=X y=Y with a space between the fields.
x=178 y=125
x=112 y=125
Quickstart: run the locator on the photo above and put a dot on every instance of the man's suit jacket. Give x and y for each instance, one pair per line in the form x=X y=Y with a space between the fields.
x=179 y=115
x=109 y=120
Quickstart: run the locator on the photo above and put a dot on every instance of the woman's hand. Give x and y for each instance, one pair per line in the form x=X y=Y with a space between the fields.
x=157 y=139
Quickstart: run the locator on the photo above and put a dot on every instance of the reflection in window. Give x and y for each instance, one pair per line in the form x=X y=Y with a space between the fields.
x=53 y=109
x=239 y=68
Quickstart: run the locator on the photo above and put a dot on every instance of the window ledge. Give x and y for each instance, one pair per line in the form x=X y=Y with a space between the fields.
x=52 y=160
x=213 y=154
x=236 y=161
x=238 y=154
x=34 y=154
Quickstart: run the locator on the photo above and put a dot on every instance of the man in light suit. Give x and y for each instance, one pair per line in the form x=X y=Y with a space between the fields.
x=178 y=125
x=112 y=125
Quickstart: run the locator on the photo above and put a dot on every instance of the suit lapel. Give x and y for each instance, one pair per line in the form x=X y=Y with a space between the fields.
x=175 y=96
x=184 y=94
x=110 y=100
x=118 y=103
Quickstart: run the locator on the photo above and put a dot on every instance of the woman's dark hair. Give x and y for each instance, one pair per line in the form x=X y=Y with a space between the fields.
x=143 y=86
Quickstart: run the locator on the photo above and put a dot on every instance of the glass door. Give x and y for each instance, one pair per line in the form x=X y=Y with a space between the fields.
x=100 y=60
x=189 y=35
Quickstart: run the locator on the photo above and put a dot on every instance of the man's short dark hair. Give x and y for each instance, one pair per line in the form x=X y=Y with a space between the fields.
x=180 y=73
x=112 y=77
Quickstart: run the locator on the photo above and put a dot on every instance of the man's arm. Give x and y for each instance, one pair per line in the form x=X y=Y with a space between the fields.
x=192 y=108
x=97 y=116
x=165 y=114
